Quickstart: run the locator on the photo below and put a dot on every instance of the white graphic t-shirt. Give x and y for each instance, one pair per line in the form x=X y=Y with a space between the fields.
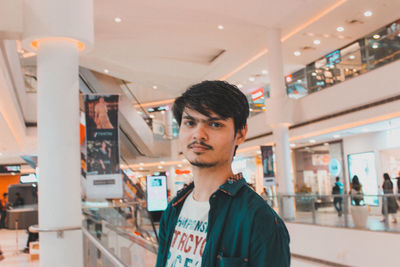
x=190 y=234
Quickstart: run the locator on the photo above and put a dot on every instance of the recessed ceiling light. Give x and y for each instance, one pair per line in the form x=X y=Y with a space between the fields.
x=162 y=162
x=220 y=27
x=252 y=79
x=340 y=29
x=160 y=167
x=297 y=53
x=155 y=87
x=141 y=168
x=117 y=20
x=376 y=36
x=312 y=141
x=317 y=42
x=368 y=13
x=240 y=86
x=180 y=165
x=313 y=74
x=336 y=135
x=141 y=163
x=351 y=57
x=106 y=71
x=264 y=72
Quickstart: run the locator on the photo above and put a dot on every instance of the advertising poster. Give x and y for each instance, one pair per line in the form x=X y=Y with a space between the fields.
x=157 y=199
x=103 y=174
x=363 y=165
x=267 y=157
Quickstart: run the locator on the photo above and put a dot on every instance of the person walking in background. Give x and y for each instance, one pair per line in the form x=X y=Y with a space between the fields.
x=19 y=201
x=398 y=184
x=3 y=210
x=337 y=190
x=389 y=202
x=356 y=191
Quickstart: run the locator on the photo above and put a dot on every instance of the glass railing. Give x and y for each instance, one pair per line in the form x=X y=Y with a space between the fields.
x=125 y=231
x=343 y=210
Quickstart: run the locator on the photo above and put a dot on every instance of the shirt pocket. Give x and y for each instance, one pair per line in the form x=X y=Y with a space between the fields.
x=231 y=261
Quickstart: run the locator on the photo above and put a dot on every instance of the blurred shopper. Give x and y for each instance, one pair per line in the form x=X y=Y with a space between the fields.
x=218 y=220
x=398 y=185
x=3 y=210
x=19 y=201
x=389 y=201
x=337 y=191
x=356 y=191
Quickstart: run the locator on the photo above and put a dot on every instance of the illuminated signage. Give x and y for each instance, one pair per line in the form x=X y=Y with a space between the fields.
x=333 y=58
x=13 y=169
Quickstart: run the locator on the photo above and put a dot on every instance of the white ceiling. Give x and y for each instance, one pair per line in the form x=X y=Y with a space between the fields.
x=170 y=43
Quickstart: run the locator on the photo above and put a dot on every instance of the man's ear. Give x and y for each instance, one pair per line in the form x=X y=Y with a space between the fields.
x=241 y=135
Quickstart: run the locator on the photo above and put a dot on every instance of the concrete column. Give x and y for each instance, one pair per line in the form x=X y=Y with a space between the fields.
x=168 y=124
x=57 y=31
x=279 y=116
x=58 y=152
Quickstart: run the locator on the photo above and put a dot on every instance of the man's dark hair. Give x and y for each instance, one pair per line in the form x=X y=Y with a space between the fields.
x=219 y=97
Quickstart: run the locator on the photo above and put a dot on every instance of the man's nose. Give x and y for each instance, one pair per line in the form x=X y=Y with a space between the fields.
x=200 y=132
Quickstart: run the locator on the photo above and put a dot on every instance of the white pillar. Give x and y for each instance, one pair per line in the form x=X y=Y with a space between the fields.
x=58 y=152
x=279 y=116
x=58 y=30
x=168 y=127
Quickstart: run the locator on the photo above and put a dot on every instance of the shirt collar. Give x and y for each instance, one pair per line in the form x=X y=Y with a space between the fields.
x=230 y=187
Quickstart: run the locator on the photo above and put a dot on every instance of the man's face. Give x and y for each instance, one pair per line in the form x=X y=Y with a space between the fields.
x=208 y=141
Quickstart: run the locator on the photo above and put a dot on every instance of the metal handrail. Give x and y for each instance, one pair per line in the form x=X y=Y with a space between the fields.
x=59 y=230
x=114 y=259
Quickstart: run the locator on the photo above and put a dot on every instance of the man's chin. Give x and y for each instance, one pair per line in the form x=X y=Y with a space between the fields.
x=200 y=164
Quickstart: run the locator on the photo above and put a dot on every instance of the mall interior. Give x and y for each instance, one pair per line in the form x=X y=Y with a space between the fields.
x=89 y=153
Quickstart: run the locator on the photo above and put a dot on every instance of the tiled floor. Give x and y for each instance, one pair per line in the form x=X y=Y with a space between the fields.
x=14 y=257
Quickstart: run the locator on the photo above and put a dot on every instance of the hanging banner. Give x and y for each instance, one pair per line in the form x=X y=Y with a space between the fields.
x=267 y=157
x=103 y=173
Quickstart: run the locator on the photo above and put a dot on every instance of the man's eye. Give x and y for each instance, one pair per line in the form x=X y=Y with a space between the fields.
x=189 y=123
x=215 y=124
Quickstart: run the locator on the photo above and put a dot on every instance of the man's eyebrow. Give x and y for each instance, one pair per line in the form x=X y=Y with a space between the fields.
x=215 y=118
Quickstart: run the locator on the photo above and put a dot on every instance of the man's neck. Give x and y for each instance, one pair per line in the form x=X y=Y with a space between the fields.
x=208 y=180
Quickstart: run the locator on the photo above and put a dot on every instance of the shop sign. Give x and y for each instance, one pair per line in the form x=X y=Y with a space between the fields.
x=393 y=29
x=13 y=169
x=334 y=167
x=257 y=94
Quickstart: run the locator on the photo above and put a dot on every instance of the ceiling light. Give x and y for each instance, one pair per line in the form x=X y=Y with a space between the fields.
x=252 y=79
x=180 y=165
x=299 y=81
x=368 y=13
x=336 y=135
x=162 y=162
x=141 y=168
x=375 y=45
x=117 y=20
x=141 y=163
x=292 y=145
x=313 y=74
x=351 y=57
x=240 y=86
x=106 y=71
x=160 y=167
x=297 y=53
x=317 y=42
x=154 y=86
x=264 y=72
x=220 y=27
x=376 y=36
x=340 y=29
x=312 y=141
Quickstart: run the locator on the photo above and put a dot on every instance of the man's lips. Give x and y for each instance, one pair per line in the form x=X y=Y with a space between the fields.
x=199 y=147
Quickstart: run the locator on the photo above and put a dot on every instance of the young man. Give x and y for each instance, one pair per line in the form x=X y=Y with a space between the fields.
x=218 y=220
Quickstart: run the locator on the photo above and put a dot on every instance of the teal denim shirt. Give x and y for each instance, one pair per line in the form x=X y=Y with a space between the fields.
x=242 y=229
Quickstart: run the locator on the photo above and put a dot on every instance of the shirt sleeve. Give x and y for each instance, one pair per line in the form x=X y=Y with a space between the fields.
x=270 y=239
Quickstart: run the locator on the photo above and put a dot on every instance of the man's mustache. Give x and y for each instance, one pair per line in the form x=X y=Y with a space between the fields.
x=201 y=144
